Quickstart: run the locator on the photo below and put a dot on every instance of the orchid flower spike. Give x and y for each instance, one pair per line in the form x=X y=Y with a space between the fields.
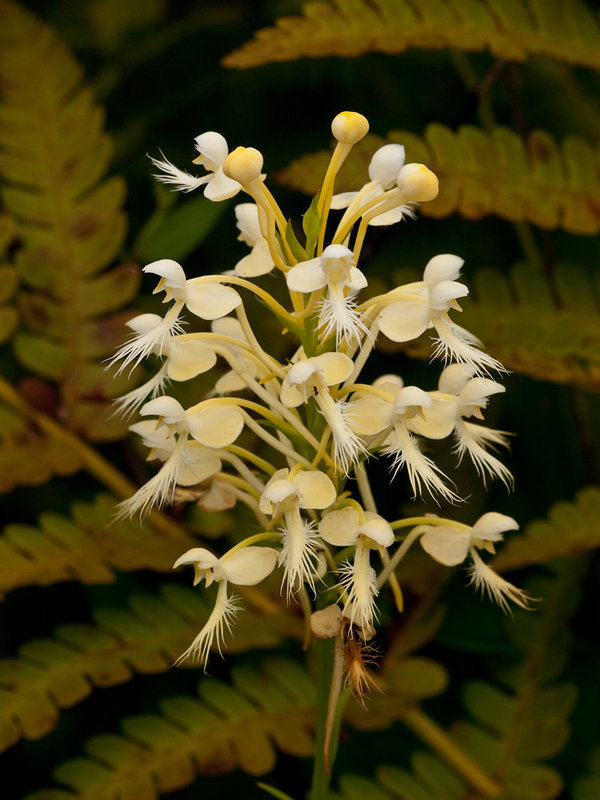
x=245 y=567
x=452 y=545
x=213 y=152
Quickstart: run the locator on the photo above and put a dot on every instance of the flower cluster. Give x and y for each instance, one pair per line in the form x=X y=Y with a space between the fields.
x=284 y=438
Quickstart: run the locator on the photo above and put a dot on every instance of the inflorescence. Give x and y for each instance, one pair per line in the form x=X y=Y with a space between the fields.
x=317 y=422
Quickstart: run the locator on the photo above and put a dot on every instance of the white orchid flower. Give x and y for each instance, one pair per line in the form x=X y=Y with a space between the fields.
x=185 y=358
x=344 y=528
x=335 y=269
x=462 y=395
x=259 y=261
x=245 y=567
x=213 y=151
x=210 y=424
x=284 y=495
x=383 y=172
x=311 y=377
x=425 y=305
x=452 y=545
x=387 y=415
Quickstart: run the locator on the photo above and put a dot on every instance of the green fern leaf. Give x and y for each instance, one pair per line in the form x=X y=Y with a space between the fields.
x=565 y=29
x=29 y=457
x=52 y=674
x=536 y=180
x=70 y=226
x=8 y=280
x=570 y=529
x=86 y=547
x=588 y=787
x=227 y=727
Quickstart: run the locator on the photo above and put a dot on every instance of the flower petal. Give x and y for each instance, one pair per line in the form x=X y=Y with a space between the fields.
x=166 y=407
x=336 y=367
x=438 y=420
x=492 y=525
x=197 y=555
x=197 y=464
x=168 y=269
x=404 y=320
x=448 y=546
x=316 y=489
x=216 y=425
x=378 y=529
x=210 y=300
x=444 y=267
x=212 y=146
x=188 y=358
x=340 y=528
x=220 y=187
x=307 y=276
x=258 y=262
x=250 y=565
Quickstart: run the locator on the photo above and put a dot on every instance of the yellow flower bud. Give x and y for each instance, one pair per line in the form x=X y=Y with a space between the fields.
x=243 y=165
x=418 y=183
x=349 y=127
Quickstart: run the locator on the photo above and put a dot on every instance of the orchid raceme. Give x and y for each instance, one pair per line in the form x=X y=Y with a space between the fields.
x=285 y=428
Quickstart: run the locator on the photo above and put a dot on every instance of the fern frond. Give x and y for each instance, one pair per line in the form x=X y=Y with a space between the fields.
x=8 y=280
x=86 y=547
x=565 y=29
x=570 y=529
x=544 y=326
x=535 y=179
x=28 y=456
x=229 y=726
x=588 y=786
x=51 y=674
x=70 y=225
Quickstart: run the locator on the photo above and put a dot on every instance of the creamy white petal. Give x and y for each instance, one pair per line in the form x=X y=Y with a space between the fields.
x=215 y=425
x=307 y=276
x=250 y=565
x=445 y=267
x=210 y=300
x=448 y=546
x=340 y=528
x=188 y=358
x=404 y=320
x=316 y=489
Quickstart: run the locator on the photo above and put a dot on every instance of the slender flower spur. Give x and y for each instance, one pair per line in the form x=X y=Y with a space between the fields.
x=293 y=437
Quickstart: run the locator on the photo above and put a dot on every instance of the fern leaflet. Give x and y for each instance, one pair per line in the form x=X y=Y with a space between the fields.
x=54 y=153
x=565 y=29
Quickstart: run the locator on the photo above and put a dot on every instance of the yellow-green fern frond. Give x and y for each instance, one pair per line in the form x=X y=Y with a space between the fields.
x=51 y=674
x=228 y=726
x=8 y=280
x=565 y=29
x=70 y=222
x=28 y=456
x=536 y=180
x=570 y=529
x=547 y=328
x=86 y=547
x=588 y=787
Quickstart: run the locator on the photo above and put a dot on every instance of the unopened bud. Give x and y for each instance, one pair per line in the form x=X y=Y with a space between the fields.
x=349 y=127
x=243 y=165
x=326 y=623
x=418 y=183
